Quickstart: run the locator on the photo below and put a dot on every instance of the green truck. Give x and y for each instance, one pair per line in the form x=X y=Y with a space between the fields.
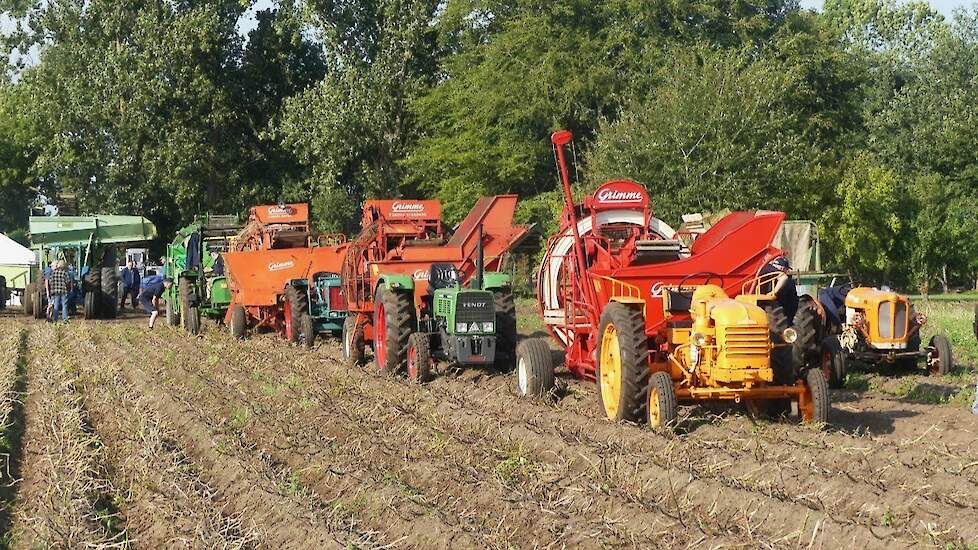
x=194 y=262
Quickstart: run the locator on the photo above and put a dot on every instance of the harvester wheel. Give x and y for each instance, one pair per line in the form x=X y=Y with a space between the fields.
x=939 y=358
x=814 y=404
x=308 y=331
x=662 y=405
x=833 y=364
x=110 y=293
x=353 y=345
x=807 y=347
x=91 y=305
x=192 y=320
x=393 y=325
x=189 y=314
x=419 y=358
x=534 y=367
x=505 y=328
x=28 y=299
x=172 y=317
x=38 y=303
x=295 y=308
x=622 y=370
x=239 y=321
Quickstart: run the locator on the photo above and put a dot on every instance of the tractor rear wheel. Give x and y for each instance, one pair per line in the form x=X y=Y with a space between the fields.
x=295 y=308
x=92 y=283
x=90 y=310
x=110 y=293
x=662 y=405
x=814 y=404
x=622 y=370
x=393 y=325
x=833 y=363
x=808 y=322
x=308 y=331
x=28 y=299
x=239 y=321
x=782 y=354
x=534 y=368
x=939 y=358
x=353 y=345
x=419 y=358
x=505 y=328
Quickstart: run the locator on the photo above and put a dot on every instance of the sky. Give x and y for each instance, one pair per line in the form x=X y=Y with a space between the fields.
x=943 y=6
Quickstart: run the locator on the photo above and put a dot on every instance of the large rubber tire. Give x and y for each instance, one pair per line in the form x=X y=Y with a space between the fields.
x=807 y=348
x=28 y=299
x=833 y=362
x=109 y=282
x=353 y=344
x=172 y=315
x=189 y=314
x=92 y=284
x=90 y=309
x=534 y=368
x=782 y=356
x=505 y=329
x=39 y=302
x=818 y=391
x=308 y=331
x=622 y=371
x=940 y=360
x=239 y=322
x=662 y=408
x=294 y=308
x=419 y=368
x=393 y=325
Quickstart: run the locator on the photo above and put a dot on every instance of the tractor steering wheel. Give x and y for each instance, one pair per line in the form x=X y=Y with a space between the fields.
x=709 y=277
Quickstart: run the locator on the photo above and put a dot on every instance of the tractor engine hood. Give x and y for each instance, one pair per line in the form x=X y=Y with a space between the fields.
x=728 y=312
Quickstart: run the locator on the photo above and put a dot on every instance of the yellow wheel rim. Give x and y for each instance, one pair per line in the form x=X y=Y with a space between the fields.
x=654 y=417
x=610 y=364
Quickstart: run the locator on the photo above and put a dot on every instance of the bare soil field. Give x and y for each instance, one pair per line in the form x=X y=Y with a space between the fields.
x=116 y=436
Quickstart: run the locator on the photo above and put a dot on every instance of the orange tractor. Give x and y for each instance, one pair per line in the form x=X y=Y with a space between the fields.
x=282 y=278
x=656 y=317
x=419 y=293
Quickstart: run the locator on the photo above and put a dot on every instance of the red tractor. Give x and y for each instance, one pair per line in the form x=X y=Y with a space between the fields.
x=657 y=317
x=419 y=292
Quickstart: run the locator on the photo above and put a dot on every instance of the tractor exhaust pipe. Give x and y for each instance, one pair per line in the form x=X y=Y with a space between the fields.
x=480 y=262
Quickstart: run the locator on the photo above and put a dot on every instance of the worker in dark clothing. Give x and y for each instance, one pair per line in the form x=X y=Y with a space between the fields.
x=782 y=286
x=150 y=296
x=130 y=284
x=833 y=300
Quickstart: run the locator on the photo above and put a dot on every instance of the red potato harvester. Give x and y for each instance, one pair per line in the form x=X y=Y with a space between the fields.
x=418 y=292
x=284 y=280
x=656 y=322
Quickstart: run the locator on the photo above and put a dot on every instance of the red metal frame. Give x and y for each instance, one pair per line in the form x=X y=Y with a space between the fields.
x=602 y=264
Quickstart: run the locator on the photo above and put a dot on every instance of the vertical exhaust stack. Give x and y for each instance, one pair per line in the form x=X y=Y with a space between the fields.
x=480 y=262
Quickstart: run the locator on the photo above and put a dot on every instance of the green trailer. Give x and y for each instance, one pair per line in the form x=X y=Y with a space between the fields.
x=89 y=245
x=194 y=261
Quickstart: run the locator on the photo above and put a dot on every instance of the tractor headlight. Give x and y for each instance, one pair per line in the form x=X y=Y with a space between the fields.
x=487 y=326
x=789 y=335
x=461 y=327
x=698 y=339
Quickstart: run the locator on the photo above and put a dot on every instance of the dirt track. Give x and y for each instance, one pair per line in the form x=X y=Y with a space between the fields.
x=172 y=441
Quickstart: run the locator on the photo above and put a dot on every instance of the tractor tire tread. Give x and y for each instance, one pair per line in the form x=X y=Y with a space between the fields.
x=634 y=347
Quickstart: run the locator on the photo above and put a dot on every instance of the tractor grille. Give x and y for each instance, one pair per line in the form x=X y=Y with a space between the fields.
x=743 y=342
x=893 y=319
x=474 y=307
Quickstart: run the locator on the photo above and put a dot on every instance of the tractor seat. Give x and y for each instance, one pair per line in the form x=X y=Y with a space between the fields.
x=442 y=276
x=657 y=251
x=680 y=301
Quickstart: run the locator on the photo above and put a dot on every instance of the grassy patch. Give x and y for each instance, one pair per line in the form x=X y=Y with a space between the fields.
x=857 y=382
x=515 y=466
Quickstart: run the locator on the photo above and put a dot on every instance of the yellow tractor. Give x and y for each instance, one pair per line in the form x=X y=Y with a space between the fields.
x=880 y=327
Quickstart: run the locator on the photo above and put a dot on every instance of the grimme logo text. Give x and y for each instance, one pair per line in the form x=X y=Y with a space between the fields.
x=610 y=195
x=279 y=266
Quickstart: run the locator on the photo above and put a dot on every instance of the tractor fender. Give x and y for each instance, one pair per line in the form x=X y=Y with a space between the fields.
x=492 y=280
x=395 y=282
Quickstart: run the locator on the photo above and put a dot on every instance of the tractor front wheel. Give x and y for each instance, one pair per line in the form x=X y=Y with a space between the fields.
x=814 y=404
x=308 y=331
x=534 y=368
x=393 y=325
x=239 y=321
x=833 y=363
x=622 y=370
x=939 y=358
x=419 y=358
x=353 y=344
x=662 y=405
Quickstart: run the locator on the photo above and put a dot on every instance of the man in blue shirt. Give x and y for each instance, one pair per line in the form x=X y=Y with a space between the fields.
x=149 y=298
x=130 y=284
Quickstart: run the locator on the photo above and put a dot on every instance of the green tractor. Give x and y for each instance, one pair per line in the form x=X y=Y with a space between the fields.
x=193 y=260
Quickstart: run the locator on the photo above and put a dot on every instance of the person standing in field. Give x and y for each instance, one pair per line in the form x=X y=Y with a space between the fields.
x=58 y=283
x=130 y=284
x=149 y=298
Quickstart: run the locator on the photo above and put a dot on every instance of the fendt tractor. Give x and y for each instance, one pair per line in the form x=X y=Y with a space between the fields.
x=419 y=293
x=284 y=278
x=877 y=328
x=194 y=260
x=89 y=246
x=656 y=321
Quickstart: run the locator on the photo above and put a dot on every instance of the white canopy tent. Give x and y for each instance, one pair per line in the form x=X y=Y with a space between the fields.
x=16 y=263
